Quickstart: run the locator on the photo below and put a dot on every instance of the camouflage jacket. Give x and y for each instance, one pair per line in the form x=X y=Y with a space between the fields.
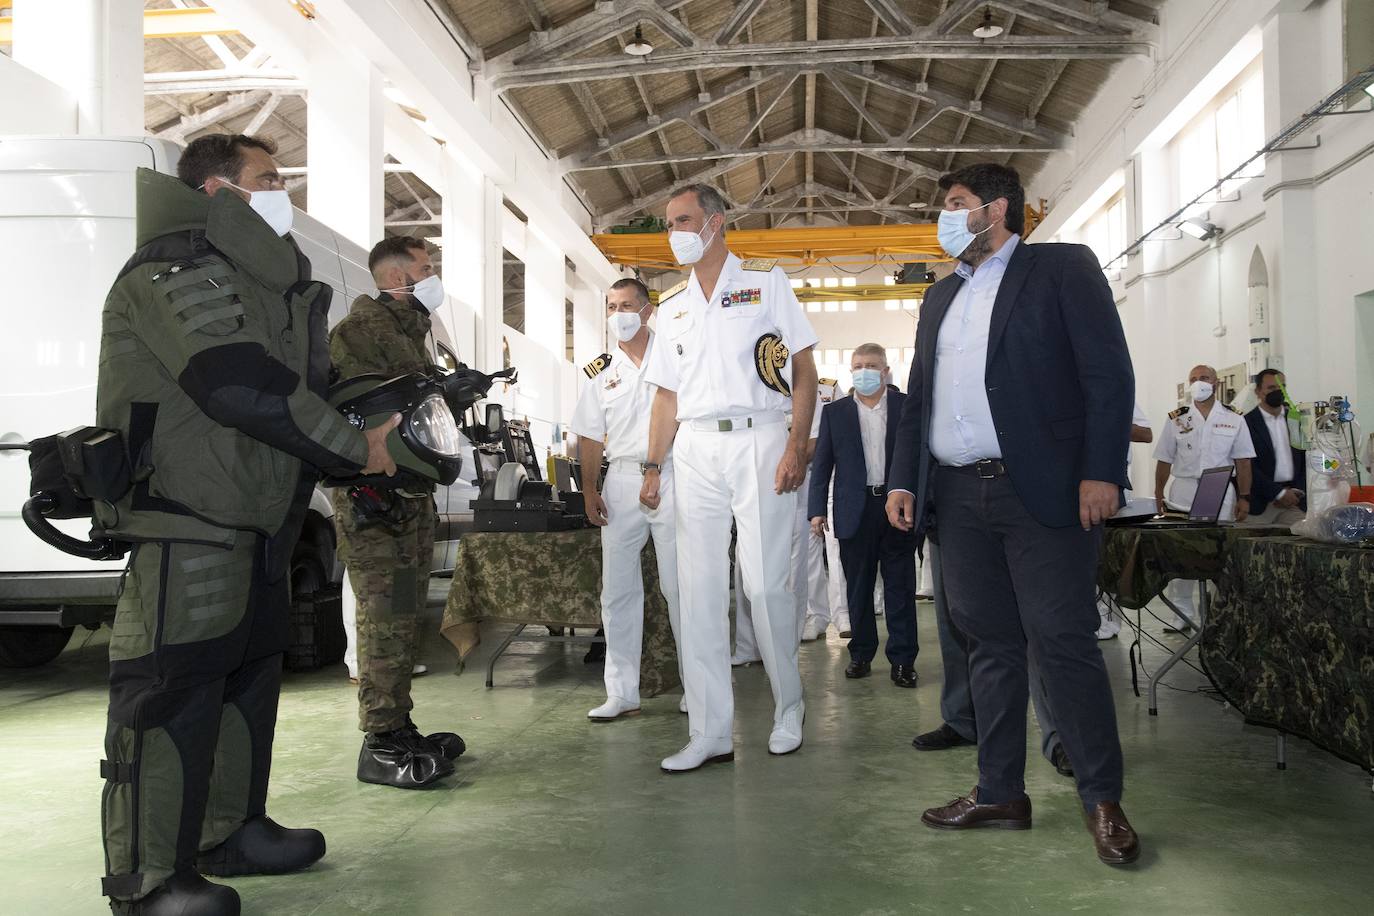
x=383 y=336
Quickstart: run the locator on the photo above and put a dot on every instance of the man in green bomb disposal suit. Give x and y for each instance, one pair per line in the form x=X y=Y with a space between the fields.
x=389 y=558
x=213 y=367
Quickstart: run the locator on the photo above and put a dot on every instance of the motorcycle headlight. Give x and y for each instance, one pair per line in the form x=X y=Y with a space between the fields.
x=432 y=425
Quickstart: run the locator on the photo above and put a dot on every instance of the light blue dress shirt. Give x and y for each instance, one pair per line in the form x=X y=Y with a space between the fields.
x=962 y=431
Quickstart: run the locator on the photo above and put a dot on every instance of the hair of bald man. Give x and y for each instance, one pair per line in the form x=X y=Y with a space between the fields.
x=871 y=349
x=1204 y=366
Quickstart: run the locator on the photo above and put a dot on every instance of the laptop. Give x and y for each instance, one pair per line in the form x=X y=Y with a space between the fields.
x=1205 y=511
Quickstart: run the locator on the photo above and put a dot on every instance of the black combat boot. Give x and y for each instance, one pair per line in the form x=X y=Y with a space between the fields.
x=184 y=894
x=401 y=758
x=261 y=846
x=446 y=743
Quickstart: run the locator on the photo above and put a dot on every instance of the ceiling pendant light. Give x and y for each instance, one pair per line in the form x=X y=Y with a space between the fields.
x=639 y=47
x=987 y=29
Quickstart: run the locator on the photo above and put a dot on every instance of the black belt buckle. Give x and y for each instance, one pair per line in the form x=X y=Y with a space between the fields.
x=989 y=469
x=879 y=490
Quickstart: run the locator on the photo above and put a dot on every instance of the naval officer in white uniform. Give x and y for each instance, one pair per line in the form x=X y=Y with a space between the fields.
x=612 y=415
x=734 y=345
x=1200 y=435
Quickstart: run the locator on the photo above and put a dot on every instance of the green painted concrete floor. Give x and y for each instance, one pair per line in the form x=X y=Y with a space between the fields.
x=552 y=814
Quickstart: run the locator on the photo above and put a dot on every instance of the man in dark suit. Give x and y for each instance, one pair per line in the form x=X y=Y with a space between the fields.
x=1012 y=450
x=1278 y=472
x=855 y=445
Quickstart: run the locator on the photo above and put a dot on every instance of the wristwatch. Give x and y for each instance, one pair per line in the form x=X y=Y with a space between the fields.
x=647 y=466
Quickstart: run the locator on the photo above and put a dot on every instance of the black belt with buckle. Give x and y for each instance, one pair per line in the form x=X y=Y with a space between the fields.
x=987 y=469
x=879 y=490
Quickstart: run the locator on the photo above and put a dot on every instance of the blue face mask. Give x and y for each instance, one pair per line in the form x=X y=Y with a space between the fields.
x=868 y=381
x=954 y=233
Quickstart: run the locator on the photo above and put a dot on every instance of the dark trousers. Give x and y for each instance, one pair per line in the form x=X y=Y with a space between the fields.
x=1015 y=586
x=195 y=672
x=877 y=545
x=956 y=698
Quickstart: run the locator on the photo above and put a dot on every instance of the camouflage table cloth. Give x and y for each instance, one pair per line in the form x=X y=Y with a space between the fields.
x=1290 y=641
x=1137 y=563
x=550 y=579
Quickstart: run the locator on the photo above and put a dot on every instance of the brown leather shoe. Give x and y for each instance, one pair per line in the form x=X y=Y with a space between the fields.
x=965 y=813
x=1116 y=842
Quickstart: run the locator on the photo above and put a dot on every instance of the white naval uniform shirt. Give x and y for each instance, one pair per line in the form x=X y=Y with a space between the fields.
x=706 y=349
x=1192 y=445
x=615 y=406
x=873 y=431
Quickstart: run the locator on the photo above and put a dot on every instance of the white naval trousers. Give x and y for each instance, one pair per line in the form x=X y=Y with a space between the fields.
x=805 y=580
x=1183 y=592
x=720 y=475
x=629 y=525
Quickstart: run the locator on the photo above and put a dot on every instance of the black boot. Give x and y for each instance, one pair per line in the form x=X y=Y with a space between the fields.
x=184 y=894
x=262 y=847
x=401 y=759
x=596 y=653
x=447 y=743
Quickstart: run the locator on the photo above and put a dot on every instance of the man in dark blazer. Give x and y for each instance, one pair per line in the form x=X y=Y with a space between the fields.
x=855 y=443
x=1277 y=487
x=1012 y=451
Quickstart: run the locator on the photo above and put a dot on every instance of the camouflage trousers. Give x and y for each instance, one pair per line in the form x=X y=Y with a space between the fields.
x=389 y=570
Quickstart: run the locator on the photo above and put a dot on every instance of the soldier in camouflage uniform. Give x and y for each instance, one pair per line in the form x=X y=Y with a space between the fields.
x=389 y=560
x=213 y=370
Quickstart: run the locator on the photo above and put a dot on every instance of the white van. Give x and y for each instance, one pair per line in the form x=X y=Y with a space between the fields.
x=66 y=228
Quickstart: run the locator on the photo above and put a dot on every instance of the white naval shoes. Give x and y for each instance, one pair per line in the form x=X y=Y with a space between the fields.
x=842 y=626
x=682 y=705
x=699 y=752
x=813 y=629
x=737 y=662
x=786 y=736
x=613 y=708
x=1111 y=624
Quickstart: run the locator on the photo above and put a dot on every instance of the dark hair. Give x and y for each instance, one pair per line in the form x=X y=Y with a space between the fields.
x=1260 y=376
x=640 y=289
x=398 y=247
x=989 y=181
x=710 y=200
x=218 y=155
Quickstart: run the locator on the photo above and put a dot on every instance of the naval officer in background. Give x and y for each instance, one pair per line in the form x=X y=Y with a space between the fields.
x=735 y=344
x=612 y=417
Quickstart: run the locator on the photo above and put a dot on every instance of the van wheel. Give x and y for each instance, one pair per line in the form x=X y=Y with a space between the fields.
x=29 y=647
x=317 y=633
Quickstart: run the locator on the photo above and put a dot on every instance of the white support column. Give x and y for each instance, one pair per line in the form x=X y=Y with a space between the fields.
x=464 y=224
x=94 y=50
x=344 y=123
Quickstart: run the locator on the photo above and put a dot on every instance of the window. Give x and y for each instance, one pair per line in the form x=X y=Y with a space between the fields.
x=813 y=306
x=568 y=329
x=512 y=291
x=1105 y=232
x=849 y=305
x=832 y=282
x=832 y=306
x=1219 y=139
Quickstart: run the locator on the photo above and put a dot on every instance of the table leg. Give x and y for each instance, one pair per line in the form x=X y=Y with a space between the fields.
x=1202 y=608
x=505 y=644
x=1280 y=751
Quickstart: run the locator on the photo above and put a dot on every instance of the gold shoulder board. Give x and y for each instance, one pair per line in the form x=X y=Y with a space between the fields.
x=671 y=291
x=828 y=382
x=1230 y=408
x=760 y=264
x=597 y=366
x=1175 y=414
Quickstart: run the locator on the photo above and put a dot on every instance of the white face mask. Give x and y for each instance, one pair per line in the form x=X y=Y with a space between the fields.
x=1200 y=390
x=624 y=325
x=954 y=233
x=868 y=381
x=429 y=292
x=688 y=247
x=273 y=206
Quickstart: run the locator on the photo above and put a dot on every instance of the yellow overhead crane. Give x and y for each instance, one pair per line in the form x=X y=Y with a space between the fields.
x=857 y=246
x=185 y=22
x=872 y=292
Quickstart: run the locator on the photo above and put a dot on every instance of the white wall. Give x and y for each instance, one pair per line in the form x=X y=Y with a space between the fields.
x=1311 y=215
